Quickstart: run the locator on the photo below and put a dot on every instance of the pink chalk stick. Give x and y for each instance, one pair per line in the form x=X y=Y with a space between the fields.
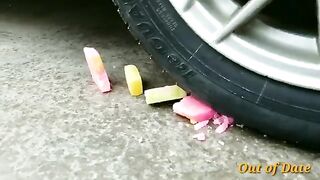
x=97 y=70
x=192 y=108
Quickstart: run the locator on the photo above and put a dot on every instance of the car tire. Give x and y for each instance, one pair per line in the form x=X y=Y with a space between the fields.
x=274 y=108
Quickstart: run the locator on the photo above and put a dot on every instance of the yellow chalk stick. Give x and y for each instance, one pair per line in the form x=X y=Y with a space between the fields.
x=134 y=80
x=163 y=94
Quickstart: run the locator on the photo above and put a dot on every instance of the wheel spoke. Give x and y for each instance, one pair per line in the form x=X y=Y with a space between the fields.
x=318 y=15
x=247 y=12
x=188 y=5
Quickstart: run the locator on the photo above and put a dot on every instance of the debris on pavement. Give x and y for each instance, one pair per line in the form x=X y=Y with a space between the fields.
x=222 y=128
x=133 y=80
x=199 y=113
x=223 y=118
x=221 y=143
x=97 y=70
x=200 y=125
x=191 y=108
x=200 y=136
x=224 y=122
x=163 y=94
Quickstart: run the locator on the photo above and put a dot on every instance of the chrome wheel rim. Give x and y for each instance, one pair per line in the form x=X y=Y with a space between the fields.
x=237 y=33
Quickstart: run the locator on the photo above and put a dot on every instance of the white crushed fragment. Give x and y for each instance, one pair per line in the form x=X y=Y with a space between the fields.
x=221 y=143
x=141 y=140
x=245 y=149
x=200 y=136
x=240 y=125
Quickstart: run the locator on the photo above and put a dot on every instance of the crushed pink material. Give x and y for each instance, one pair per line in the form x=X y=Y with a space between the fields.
x=222 y=128
x=223 y=118
x=231 y=121
x=200 y=136
x=197 y=111
x=218 y=121
x=193 y=122
x=192 y=108
x=201 y=114
x=200 y=125
x=224 y=122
